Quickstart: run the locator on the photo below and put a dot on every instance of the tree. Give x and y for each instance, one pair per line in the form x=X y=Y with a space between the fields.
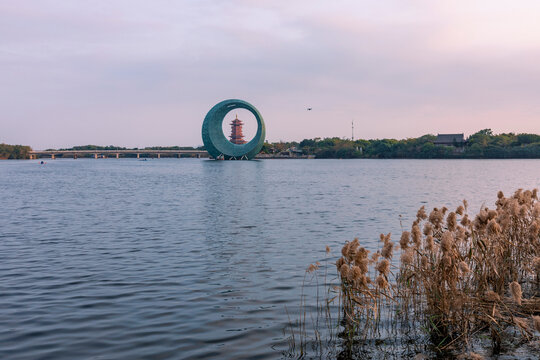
x=474 y=151
x=14 y=151
x=482 y=137
x=524 y=139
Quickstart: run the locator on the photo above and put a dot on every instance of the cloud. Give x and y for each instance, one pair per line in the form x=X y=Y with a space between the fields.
x=141 y=73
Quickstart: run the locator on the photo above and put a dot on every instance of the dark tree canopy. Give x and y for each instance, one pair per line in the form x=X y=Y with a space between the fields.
x=14 y=151
x=482 y=144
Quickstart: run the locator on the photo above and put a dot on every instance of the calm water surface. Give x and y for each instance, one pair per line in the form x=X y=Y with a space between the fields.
x=188 y=258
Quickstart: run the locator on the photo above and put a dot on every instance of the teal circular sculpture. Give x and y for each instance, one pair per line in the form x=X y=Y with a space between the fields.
x=215 y=142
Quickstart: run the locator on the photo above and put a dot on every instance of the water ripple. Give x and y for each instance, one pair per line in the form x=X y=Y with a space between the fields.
x=197 y=259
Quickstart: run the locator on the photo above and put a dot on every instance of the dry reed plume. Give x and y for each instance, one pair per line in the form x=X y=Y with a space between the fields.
x=458 y=275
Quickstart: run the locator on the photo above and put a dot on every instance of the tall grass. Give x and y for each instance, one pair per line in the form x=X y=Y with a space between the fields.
x=459 y=277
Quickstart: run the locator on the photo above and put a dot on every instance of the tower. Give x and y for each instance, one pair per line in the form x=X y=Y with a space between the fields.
x=236 y=132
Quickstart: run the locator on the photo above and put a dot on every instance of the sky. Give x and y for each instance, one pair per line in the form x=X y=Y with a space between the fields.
x=145 y=73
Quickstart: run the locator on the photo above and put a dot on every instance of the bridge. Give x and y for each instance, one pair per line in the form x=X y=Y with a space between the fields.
x=116 y=153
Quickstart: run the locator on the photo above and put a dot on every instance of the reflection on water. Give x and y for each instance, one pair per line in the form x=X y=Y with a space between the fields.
x=188 y=258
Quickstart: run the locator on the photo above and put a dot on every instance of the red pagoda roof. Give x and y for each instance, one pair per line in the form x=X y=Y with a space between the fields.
x=236 y=132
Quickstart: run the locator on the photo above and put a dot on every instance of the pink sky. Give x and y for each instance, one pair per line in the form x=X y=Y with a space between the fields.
x=142 y=73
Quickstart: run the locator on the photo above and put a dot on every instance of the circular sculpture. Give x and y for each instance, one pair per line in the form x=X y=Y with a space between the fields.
x=215 y=141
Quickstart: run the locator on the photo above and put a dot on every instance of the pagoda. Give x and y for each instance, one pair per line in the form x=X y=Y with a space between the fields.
x=236 y=132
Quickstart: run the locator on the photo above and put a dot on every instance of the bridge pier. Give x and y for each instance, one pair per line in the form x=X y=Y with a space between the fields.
x=52 y=156
x=138 y=155
x=117 y=155
x=74 y=156
x=159 y=156
x=95 y=156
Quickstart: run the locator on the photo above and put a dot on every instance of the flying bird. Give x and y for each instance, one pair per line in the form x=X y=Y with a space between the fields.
x=309 y=109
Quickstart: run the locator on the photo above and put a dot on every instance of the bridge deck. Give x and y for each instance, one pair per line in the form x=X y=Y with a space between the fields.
x=140 y=151
x=117 y=153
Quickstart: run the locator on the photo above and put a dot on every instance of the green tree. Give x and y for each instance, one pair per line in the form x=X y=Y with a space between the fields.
x=14 y=151
x=524 y=139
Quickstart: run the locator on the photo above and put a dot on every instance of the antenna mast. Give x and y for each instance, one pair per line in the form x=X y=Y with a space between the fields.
x=352 y=130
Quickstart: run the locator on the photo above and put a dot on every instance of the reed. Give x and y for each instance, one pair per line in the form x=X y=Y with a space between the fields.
x=466 y=276
x=459 y=276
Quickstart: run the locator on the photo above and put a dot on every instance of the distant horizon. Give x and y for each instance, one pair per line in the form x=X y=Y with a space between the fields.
x=268 y=141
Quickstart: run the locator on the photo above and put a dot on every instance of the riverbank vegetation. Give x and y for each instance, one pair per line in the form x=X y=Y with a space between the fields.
x=14 y=151
x=483 y=144
x=462 y=284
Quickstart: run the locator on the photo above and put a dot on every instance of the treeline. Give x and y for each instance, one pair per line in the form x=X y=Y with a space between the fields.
x=481 y=145
x=14 y=151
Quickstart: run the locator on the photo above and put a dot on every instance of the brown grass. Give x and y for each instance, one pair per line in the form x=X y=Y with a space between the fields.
x=458 y=274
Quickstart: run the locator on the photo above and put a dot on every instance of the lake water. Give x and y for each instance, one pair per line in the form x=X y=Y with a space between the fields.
x=192 y=258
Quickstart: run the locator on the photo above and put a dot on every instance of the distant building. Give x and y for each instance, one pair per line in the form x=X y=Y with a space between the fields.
x=450 y=139
x=236 y=132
